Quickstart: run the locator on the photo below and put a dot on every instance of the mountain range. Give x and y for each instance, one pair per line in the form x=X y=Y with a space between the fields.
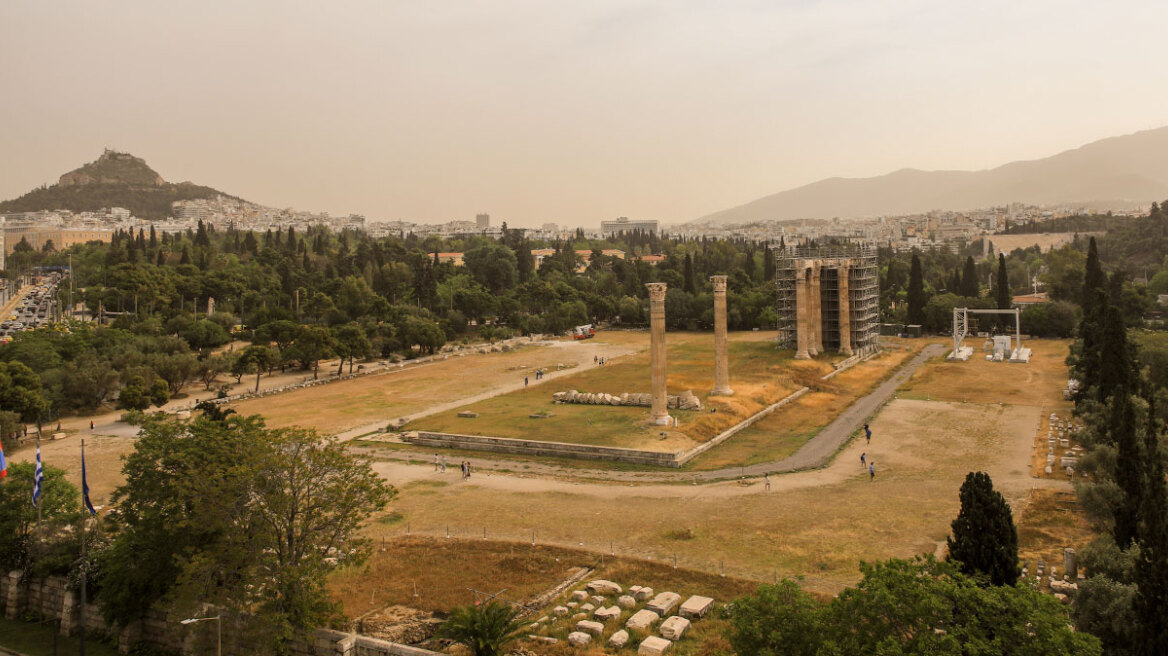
x=1129 y=169
x=113 y=180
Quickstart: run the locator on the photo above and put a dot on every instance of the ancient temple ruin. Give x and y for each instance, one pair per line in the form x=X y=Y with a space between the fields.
x=828 y=299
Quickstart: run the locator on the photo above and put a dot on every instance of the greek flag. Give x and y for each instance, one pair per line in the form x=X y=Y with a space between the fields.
x=38 y=478
x=85 y=485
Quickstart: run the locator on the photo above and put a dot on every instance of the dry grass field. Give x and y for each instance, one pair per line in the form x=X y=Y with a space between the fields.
x=1037 y=383
x=817 y=523
x=759 y=373
x=782 y=433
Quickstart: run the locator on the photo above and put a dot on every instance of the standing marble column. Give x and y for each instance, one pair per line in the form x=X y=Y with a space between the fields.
x=659 y=414
x=801 y=315
x=845 y=311
x=721 y=341
x=816 y=315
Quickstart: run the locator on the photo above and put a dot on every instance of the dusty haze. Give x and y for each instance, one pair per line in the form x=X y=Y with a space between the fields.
x=567 y=112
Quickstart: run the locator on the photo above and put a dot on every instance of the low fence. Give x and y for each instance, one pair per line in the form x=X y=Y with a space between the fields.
x=51 y=598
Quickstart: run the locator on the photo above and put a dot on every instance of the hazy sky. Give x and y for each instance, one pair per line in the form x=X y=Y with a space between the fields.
x=570 y=112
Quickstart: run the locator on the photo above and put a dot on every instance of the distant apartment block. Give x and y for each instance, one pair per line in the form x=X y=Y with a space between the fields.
x=482 y=221
x=623 y=224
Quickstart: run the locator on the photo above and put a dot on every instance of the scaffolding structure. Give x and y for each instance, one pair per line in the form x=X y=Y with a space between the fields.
x=839 y=289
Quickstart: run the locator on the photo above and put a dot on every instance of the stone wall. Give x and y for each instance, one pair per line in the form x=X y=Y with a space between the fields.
x=51 y=597
x=538 y=448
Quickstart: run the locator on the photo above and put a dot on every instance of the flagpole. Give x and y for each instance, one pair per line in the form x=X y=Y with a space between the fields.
x=84 y=563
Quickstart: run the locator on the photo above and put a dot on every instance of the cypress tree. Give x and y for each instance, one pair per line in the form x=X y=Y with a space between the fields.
x=153 y=237
x=688 y=280
x=916 y=292
x=1092 y=280
x=1152 y=566
x=768 y=264
x=1129 y=469
x=1003 y=285
x=524 y=261
x=1116 y=359
x=186 y=255
x=160 y=257
x=985 y=541
x=969 y=283
x=249 y=243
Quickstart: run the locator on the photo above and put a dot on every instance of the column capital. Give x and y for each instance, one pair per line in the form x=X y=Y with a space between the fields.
x=719 y=284
x=656 y=291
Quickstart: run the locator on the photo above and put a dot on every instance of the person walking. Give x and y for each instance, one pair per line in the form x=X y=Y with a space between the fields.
x=862 y=458
x=443 y=464
x=767 y=478
x=90 y=424
x=868 y=433
x=525 y=381
x=872 y=471
x=437 y=462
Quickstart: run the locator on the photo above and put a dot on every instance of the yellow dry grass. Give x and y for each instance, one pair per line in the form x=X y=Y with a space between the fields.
x=1051 y=521
x=761 y=374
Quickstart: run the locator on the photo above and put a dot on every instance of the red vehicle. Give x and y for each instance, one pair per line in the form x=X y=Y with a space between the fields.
x=583 y=332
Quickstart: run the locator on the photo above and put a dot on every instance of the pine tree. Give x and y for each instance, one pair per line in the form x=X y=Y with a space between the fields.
x=985 y=541
x=916 y=292
x=969 y=283
x=1152 y=566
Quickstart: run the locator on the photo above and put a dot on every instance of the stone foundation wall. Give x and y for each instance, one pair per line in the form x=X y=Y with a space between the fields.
x=51 y=597
x=538 y=448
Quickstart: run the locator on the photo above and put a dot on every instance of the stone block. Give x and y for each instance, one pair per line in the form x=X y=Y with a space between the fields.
x=587 y=608
x=674 y=627
x=696 y=606
x=653 y=646
x=560 y=611
x=619 y=639
x=579 y=595
x=588 y=626
x=603 y=587
x=642 y=620
x=597 y=600
x=467 y=414
x=664 y=603
x=643 y=593
x=626 y=601
x=579 y=616
x=573 y=604
x=579 y=639
x=606 y=614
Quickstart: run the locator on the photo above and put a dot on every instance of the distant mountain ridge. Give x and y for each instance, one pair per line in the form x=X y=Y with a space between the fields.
x=112 y=180
x=1129 y=169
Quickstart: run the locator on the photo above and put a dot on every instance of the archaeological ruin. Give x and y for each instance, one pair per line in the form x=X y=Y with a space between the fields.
x=828 y=299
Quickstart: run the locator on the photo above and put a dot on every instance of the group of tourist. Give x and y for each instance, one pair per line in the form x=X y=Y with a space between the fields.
x=440 y=466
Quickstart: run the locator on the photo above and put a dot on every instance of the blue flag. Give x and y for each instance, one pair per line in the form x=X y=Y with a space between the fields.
x=85 y=485
x=38 y=478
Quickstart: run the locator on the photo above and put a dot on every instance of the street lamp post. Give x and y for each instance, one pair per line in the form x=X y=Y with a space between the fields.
x=218 y=629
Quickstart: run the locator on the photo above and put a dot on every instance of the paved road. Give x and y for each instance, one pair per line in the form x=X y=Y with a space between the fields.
x=815 y=453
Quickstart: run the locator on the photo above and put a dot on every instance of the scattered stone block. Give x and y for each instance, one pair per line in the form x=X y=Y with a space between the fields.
x=643 y=593
x=597 y=600
x=59 y=436
x=619 y=639
x=543 y=620
x=573 y=604
x=560 y=611
x=633 y=589
x=696 y=606
x=606 y=614
x=587 y=608
x=579 y=595
x=467 y=414
x=664 y=603
x=579 y=616
x=642 y=620
x=579 y=639
x=602 y=587
x=588 y=626
x=626 y=601
x=674 y=627
x=544 y=639
x=653 y=646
